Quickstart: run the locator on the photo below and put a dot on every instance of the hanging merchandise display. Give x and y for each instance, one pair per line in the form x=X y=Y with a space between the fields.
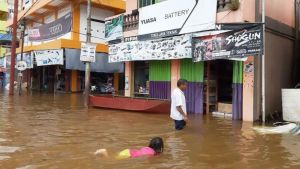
x=177 y=47
x=233 y=44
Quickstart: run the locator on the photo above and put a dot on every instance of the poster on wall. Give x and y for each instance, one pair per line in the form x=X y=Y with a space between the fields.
x=49 y=57
x=233 y=44
x=28 y=58
x=114 y=28
x=175 y=17
x=177 y=47
x=51 y=30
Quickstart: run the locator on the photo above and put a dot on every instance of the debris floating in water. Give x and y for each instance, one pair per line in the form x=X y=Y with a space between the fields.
x=290 y=128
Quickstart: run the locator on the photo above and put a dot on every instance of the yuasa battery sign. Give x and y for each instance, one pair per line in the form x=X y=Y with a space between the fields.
x=174 y=17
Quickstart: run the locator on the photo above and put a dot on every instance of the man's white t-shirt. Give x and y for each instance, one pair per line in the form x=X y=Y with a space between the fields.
x=177 y=99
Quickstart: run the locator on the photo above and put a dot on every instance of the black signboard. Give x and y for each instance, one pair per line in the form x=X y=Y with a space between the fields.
x=51 y=30
x=244 y=40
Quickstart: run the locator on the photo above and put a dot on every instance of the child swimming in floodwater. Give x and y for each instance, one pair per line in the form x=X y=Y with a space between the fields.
x=156 y=147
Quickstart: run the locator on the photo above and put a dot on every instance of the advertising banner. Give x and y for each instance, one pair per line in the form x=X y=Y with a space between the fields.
x=233 y=44
x=174 y=17
x=28 y=58
x=114 y=28
x=176 y=47
x=49 y=57
x=51 y=30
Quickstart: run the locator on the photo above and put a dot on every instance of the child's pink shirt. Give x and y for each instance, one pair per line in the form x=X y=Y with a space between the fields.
x=145 y=151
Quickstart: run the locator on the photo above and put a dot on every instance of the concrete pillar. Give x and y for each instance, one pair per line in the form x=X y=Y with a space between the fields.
x=175 y=73
x=248 y=90
x=129 y=79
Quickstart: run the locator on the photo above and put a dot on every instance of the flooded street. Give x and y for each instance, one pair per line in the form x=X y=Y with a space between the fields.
x=56 y=131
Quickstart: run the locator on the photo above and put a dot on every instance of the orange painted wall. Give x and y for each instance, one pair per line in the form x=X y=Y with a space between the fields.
x=246 y=12
x=248 y=92
x=282 y=11
x=131 y=5
x=175 y=73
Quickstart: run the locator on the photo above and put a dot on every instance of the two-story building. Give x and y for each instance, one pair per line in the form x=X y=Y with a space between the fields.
x=231 y=86
x=54 y=32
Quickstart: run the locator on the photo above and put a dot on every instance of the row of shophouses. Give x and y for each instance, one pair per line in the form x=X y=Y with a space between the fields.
x=144 y=46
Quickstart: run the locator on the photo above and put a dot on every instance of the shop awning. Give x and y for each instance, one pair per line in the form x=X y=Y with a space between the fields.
x=101 y=65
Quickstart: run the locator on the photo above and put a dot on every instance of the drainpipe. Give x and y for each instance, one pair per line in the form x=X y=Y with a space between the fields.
x=263 y=19
x=296 y=57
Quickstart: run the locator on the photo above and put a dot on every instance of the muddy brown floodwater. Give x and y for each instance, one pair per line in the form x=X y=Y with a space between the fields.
x=57 y=132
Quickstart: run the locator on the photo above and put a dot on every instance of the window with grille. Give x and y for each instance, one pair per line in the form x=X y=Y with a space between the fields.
x=143 y=3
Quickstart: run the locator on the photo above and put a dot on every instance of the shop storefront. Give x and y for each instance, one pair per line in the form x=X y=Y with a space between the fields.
x=217 y=60
x=62 y=71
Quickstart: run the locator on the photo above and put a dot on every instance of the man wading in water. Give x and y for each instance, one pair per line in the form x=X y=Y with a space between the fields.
x=178 y=105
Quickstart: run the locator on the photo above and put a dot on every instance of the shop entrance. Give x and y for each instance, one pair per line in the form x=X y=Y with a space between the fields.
x=218 y=91
x=141 y=79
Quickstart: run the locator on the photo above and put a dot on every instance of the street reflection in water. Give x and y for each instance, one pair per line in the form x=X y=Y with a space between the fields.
x=56 y=131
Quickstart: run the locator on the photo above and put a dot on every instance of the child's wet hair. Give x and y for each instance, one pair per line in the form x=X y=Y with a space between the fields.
x=157 y=144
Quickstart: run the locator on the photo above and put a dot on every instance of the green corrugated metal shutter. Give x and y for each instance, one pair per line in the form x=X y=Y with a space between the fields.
x=160 y=70
x=191 y=71
x=238 y=67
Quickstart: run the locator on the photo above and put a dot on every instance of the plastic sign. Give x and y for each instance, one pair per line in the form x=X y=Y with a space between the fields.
x=88 y=52
x=176 y=17
x=21 y=66
x=49 y=57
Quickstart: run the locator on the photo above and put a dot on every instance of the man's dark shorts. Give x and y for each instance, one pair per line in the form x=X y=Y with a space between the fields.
x=179 y=124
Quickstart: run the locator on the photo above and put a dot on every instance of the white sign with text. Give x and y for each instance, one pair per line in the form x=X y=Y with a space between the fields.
x=174 y=17
x=88 y=52
x=49 y=57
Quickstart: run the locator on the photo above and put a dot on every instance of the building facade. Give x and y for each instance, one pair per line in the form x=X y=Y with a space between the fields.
x=70 y=17
x=230 y=86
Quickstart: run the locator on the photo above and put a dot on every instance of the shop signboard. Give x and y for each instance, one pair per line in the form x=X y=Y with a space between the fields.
x=49 y=57
x=233 y=44
x=114 y=28
x=51 y=30
x=88 y=52
x=177 y=47
x=175 y=17
x=28 y=58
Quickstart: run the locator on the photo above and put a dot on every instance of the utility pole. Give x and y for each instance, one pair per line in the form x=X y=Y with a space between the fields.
x=20 y=75
x=88 y=64
x=13 y=48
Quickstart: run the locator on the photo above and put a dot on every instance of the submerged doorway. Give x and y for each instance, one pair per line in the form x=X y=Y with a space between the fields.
x=223 y=88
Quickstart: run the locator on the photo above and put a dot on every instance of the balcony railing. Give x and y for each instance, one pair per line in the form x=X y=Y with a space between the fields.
x=131 y=21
